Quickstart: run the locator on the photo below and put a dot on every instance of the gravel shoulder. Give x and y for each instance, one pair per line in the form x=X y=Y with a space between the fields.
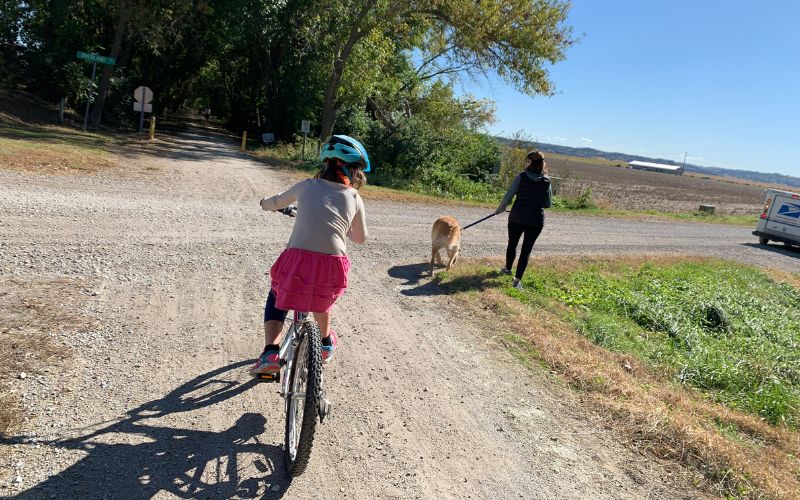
x=171 y=255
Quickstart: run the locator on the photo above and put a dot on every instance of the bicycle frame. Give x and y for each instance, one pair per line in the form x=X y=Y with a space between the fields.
x=291 y=339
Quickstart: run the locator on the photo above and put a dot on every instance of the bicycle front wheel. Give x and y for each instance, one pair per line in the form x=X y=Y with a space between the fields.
x=303 y=405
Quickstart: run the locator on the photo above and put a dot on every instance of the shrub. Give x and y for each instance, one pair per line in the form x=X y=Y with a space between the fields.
x=582 y=201
x=415 y=154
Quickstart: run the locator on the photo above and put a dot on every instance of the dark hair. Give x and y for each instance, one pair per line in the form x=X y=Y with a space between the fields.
x=537 y=162
x=332 y=172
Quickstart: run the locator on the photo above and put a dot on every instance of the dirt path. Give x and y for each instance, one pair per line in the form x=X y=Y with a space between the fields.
x=157 y=402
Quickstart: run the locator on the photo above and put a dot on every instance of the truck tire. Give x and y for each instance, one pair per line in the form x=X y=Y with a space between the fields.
x=763 y=240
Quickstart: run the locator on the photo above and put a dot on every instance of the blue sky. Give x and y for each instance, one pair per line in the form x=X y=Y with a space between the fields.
x=717 y=80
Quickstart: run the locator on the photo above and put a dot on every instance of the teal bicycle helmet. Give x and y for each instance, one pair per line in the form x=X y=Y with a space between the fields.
x=347 y=149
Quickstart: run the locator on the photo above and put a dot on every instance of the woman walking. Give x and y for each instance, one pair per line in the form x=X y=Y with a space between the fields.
x=533 y=194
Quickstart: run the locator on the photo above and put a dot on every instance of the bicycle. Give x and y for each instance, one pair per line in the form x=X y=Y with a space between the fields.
x=300 y=377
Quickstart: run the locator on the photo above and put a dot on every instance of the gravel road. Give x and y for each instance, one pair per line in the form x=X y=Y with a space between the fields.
x=171 y=251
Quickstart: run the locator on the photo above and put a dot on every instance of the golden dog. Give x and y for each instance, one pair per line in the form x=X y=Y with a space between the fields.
x=446 y=234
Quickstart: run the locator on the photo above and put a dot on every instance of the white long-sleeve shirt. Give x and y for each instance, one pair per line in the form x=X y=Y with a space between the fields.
x=327 y=213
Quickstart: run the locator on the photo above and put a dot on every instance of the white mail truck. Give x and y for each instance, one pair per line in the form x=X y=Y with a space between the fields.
x=780 y=219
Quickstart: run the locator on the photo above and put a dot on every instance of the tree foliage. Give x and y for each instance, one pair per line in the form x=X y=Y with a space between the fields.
x=381 y=69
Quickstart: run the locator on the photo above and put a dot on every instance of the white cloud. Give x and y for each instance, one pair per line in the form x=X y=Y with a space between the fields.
x=554 y=138
x=586 y=140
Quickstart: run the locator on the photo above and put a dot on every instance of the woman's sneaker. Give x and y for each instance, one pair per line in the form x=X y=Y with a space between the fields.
x=327 y=350
x=268 y=362
x=505 y=271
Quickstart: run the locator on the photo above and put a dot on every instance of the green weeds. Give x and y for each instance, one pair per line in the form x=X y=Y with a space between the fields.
x=723 y=328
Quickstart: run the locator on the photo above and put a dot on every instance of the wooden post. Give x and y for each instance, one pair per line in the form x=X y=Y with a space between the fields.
x=244 y=140
x=152 y=127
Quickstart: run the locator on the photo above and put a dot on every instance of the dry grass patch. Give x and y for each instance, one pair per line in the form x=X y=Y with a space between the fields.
x=51 y=158
x=780 y=276
x=740 y=454
x=34 y=319
x=30 y=140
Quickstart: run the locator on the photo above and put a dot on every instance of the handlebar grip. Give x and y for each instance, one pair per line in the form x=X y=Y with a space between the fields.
x=291 y=211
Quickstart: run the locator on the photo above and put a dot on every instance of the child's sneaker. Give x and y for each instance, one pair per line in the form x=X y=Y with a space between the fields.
x=268 y=362
x=327 y=350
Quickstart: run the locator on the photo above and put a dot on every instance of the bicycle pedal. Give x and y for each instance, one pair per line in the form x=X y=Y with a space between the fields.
x=269 y=377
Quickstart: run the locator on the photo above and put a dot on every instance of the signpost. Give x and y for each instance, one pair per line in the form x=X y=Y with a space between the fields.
x=305 y=127
x=94 y=58
x=142 y=96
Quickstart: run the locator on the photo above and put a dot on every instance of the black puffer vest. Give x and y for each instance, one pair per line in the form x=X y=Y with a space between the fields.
x=533 y=196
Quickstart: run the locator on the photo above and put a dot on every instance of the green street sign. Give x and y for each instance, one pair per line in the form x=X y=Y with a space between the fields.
x=96 y=58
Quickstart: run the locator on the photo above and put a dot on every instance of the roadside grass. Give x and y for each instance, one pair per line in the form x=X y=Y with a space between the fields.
x=696 y=216
x=732 y=219
x=51 y=149
x=287 y=156
x=36 y=314
x=696 y=359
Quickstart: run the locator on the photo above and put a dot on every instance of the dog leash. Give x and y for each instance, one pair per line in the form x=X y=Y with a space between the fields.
x=479 y=220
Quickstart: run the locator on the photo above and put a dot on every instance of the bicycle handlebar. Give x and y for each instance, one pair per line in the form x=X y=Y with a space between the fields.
x=291 y=211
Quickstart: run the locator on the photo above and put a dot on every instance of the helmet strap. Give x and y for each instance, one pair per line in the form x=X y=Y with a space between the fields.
x=347 y=173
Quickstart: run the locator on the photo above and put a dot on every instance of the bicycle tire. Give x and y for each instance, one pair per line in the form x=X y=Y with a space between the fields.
x=309 y=350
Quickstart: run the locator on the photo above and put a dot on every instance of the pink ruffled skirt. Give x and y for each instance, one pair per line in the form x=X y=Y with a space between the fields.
x=308 y=281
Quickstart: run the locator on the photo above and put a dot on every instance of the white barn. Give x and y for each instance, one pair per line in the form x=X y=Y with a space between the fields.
x=656 y=167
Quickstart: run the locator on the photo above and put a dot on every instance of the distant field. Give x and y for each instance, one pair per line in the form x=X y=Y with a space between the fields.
x=626 y=189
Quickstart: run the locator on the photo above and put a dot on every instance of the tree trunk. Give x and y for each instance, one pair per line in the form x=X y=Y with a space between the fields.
x=329 y=105
x=329 y=108
x=105 y=78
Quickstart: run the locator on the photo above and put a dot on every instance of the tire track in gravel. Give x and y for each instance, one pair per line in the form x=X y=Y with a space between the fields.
x=426 y=404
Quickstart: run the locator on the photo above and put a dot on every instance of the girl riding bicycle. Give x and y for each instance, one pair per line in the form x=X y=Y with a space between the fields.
x=311 y=273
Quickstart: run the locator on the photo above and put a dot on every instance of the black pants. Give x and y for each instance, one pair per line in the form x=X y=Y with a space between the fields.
x=515 y=231
x=270 y=311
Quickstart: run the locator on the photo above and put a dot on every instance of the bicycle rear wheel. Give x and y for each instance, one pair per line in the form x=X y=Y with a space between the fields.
x=303 y=405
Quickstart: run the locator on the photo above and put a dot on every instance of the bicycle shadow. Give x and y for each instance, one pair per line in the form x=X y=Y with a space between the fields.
x=413 y=274
x=139 y=460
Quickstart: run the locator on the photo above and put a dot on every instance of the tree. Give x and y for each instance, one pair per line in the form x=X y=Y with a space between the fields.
x=12 y=17
x=514 y=38
x=124 y=8
x=154 y=24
